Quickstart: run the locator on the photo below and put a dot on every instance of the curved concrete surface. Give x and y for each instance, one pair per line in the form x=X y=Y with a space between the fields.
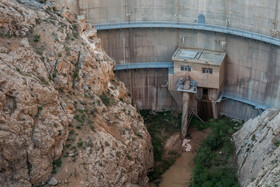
x=260 y=16
x=191 y=26
x=169 y=66
x=242 y=28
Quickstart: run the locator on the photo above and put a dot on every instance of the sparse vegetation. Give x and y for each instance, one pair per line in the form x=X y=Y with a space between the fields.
x=215 y=164
x=277 y=143
x=80 y=143
x=107 y=144
x=36 y=38
x=56 y=164
x=42 y=1
x=43 y=80
x=14 y=104
x=138 y=134
x=161 y=126
x=66 y=48
x=105 y=99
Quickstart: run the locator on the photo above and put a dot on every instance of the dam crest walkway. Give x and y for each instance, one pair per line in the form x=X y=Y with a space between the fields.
x=190 y=26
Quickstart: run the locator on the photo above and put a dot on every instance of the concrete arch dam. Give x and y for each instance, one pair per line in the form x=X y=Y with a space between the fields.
x=150 y=31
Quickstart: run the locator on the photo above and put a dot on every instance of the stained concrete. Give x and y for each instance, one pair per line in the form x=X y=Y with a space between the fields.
x=260 y=16
x=252 y=69
x=148 y=89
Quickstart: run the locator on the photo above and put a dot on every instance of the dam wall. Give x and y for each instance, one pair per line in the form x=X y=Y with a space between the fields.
x=252 y=68
x=260 y=16
x=148 y=88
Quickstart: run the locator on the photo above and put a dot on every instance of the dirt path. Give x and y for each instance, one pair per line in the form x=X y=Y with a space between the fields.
x=179 y=174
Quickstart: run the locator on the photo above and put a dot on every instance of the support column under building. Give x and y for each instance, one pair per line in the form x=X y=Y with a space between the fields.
x=185 y=112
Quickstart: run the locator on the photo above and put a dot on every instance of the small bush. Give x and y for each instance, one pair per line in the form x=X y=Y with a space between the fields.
x=277 y=143
x=66 y=48
x=76 y=74
x=56 y=164
x=105 y=100
x=80 y=144
x=36 y=38
x=107 y=144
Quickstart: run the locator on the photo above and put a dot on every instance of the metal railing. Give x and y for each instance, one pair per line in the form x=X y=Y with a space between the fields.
x=190 y=88
x=257 y=105
x=191 y=26
x=146 y=65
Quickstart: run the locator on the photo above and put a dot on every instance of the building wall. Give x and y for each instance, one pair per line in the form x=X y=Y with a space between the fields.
x=203 y=79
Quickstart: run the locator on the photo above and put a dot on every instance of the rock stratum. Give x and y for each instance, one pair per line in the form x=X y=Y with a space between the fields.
x=258 y=150
x=63 y=115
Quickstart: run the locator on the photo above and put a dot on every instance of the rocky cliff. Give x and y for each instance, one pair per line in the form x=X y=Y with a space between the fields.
x=62 y=112
x=258 y=150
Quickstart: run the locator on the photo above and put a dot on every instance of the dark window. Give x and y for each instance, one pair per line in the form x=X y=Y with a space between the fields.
x=186 y=68
x=207 y=70
x=205 y=91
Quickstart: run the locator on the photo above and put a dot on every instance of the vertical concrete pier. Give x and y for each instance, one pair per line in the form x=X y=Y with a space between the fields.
x=185 y=112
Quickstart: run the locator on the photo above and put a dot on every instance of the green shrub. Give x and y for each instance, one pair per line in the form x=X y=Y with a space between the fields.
x=80 y=144
x=76 y=74
x=36 y=38
x=56 y=164
x=161 y=126
x=277 y=143
x=215 y=163
x=105 y=99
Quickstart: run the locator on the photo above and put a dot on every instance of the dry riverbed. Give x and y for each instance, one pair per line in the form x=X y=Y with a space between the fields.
x=179 y=174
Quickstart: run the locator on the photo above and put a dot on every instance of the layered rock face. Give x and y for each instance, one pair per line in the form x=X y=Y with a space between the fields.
x=60 y=105
x=258 y=150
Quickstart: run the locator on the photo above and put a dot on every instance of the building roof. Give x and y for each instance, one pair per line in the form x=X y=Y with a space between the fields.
x=199 y=55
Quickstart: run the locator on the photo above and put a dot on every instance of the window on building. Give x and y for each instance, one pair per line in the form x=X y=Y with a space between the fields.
x=205 y=91
x=207 y=70
x=186 y=68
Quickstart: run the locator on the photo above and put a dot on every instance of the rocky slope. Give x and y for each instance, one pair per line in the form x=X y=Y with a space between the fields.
x=258 y=150
x=62 y=112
